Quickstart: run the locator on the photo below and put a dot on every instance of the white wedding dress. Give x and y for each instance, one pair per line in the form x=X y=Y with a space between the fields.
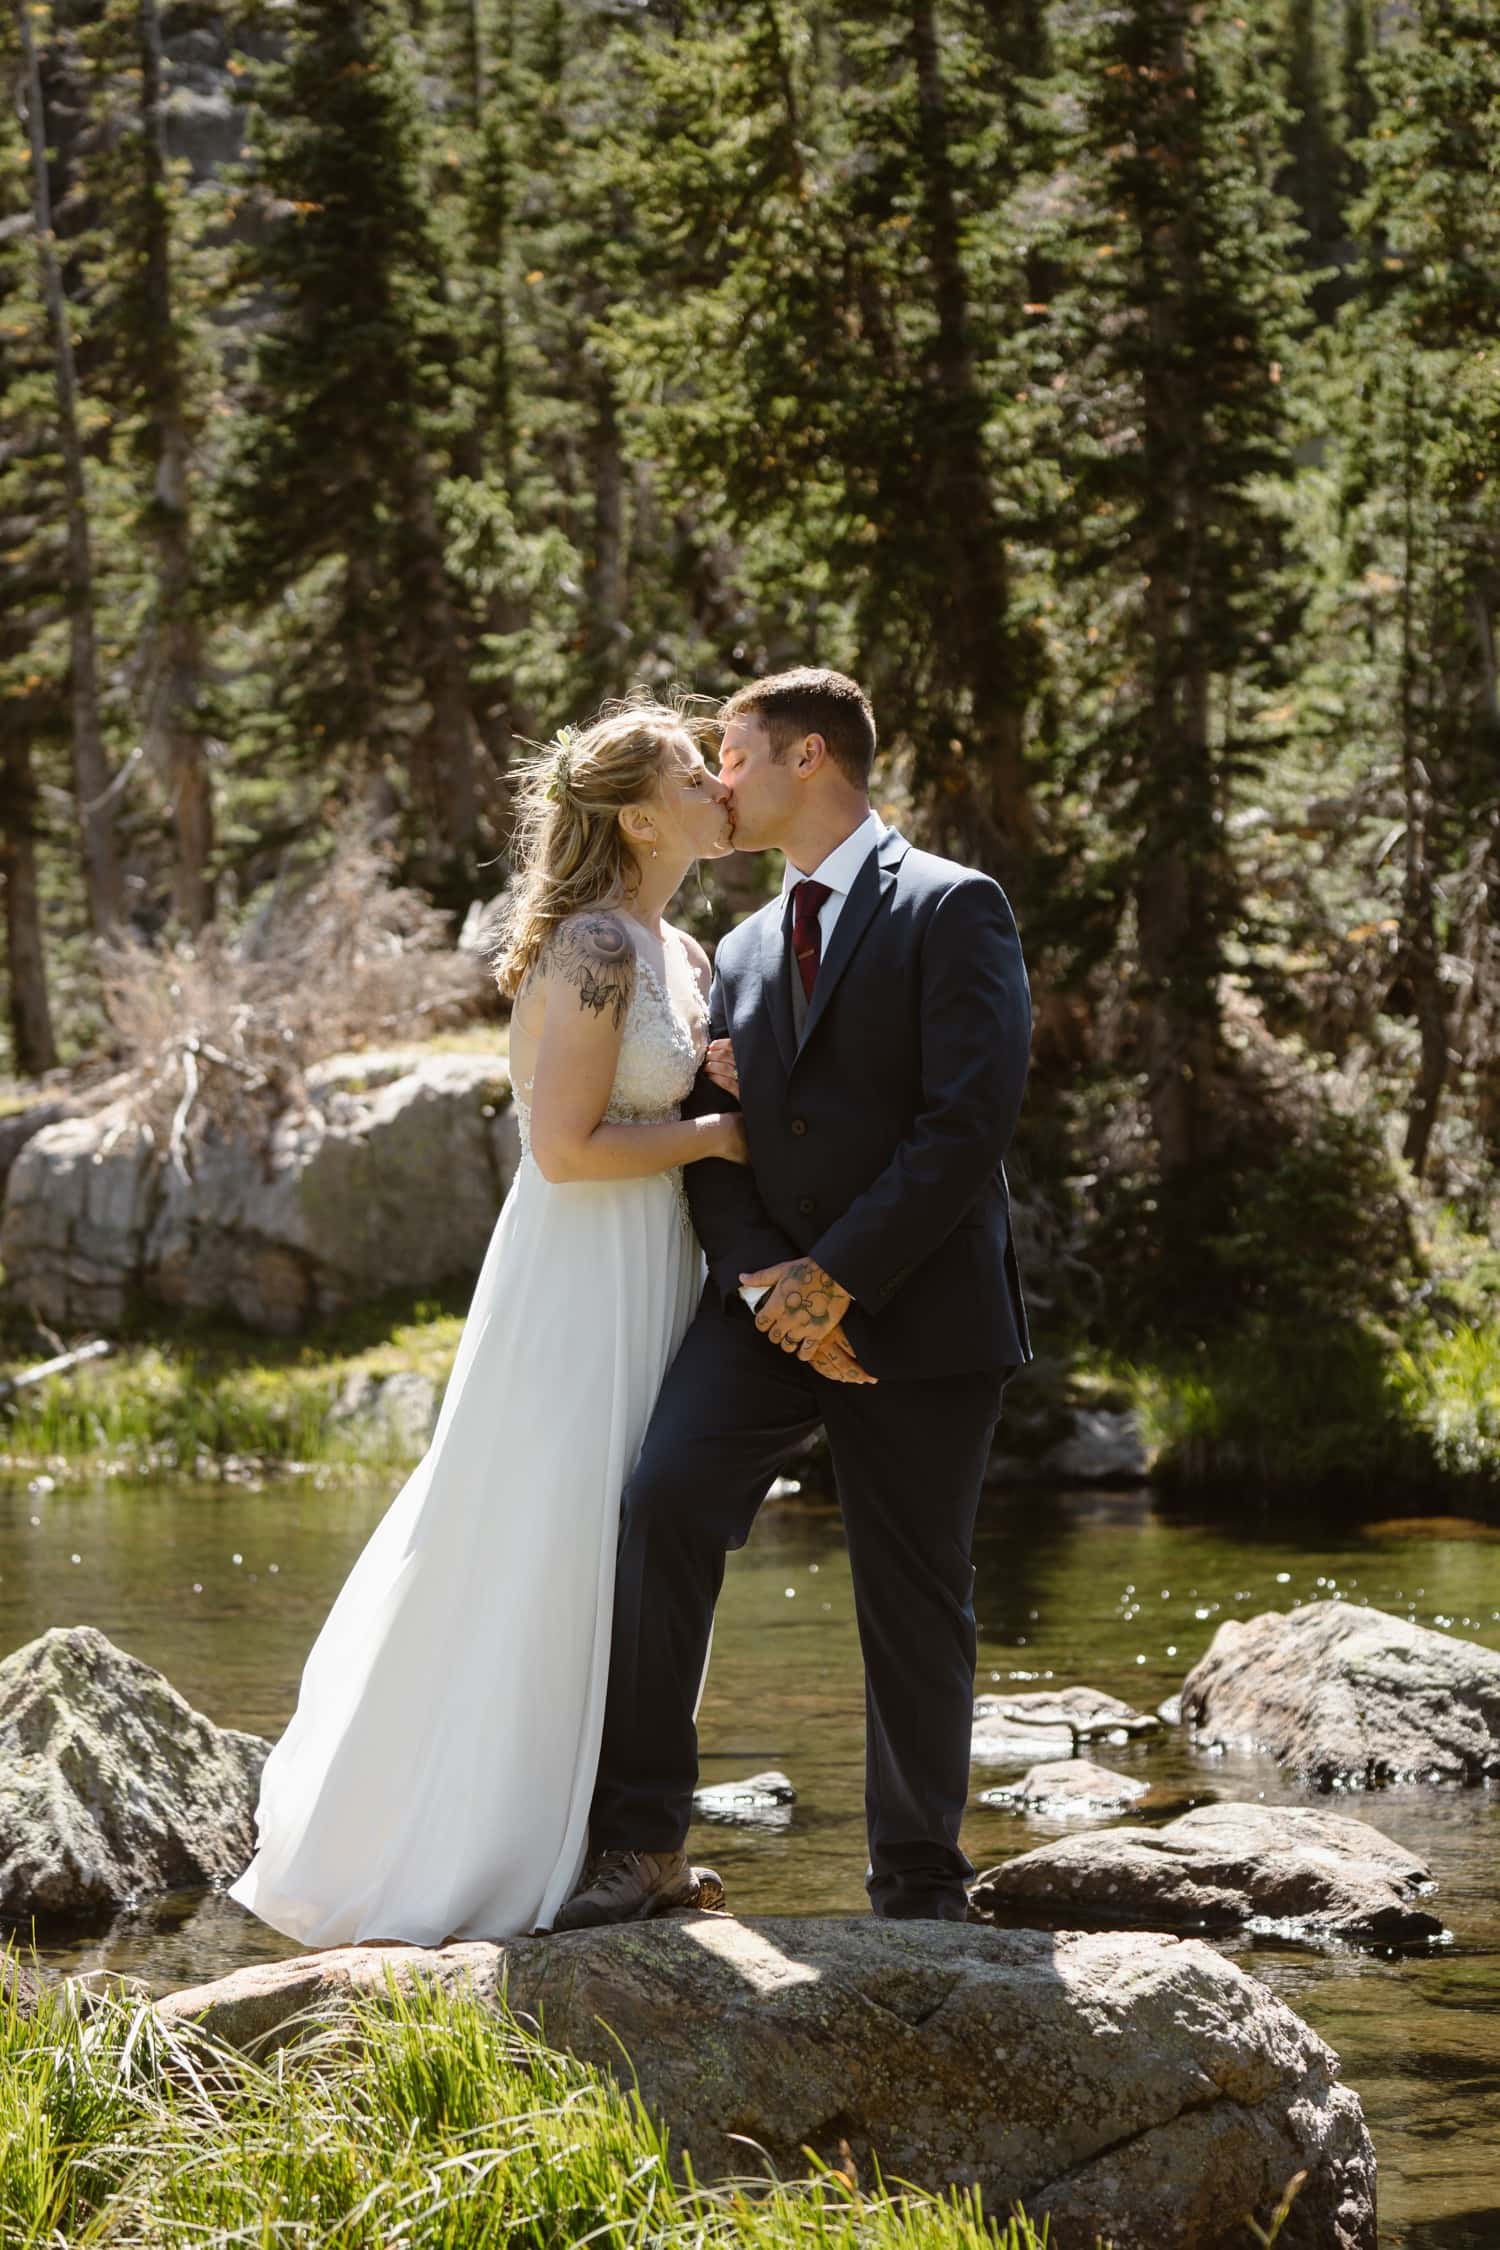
x=435 y=1778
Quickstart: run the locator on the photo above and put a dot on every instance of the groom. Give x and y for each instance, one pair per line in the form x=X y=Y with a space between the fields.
x=861 y=1276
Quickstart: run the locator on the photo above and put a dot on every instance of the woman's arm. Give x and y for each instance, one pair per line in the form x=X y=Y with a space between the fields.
x=588 y=974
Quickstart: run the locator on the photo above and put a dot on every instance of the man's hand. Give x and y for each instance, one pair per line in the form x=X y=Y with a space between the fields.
x=836 y=1363
x=804 y=1307
x=722 y=1068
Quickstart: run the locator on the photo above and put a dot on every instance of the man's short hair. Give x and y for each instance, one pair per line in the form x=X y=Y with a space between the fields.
x=811 y=701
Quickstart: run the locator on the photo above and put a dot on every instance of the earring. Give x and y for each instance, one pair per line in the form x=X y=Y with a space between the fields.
x=653 y=847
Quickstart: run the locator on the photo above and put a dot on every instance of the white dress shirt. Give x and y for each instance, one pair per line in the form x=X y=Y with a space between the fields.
x=838 y=871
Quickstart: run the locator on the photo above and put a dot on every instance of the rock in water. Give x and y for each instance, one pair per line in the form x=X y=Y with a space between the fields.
x=1137 y=2086
x=111 y=1784
x=1068 y=1788
x=1101 y=1448
x=761 y=1799
x=1047 y=1722
x=1349 y=1698
x=1292 y=1868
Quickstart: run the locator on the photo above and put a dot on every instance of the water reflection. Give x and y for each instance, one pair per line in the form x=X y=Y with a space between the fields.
x=225 y=1589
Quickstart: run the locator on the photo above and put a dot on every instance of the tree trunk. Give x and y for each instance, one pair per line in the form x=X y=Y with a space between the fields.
x=443 y=664
x=1421 y=951
x=604 y=587
x=1177 y=889
x=173 y=735
x=985 y=654
x=1181 y=884
x=372 y=781
x=489 y=450
x=91 y=774
x=26 y=961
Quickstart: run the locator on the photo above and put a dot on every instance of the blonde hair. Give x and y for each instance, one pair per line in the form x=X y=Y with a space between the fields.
x=570 y=851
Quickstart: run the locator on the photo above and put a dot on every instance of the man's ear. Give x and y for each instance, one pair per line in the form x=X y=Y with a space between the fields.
x=811 y=752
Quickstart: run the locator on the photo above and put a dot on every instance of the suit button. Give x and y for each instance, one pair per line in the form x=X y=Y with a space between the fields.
x=799 y=1125
x=807 y=1207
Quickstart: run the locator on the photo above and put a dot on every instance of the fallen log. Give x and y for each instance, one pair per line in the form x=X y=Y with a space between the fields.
x=64 y=1364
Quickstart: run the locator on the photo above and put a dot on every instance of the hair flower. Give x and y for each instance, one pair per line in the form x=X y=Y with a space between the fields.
x=562 y=764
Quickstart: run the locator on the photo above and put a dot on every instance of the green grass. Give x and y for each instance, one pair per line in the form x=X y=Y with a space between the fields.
x=1319 y=1407
x=426 y=2120
x=192 y=1396
x=1292 y=1407
x=1448 y=1391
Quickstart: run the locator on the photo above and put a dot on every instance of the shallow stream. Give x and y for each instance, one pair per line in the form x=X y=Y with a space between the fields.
x=224 y=1587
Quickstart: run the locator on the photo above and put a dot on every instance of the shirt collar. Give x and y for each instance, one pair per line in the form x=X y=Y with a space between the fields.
x=844 y=862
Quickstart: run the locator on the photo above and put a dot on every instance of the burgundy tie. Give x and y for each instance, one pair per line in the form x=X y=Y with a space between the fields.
x=807 y=938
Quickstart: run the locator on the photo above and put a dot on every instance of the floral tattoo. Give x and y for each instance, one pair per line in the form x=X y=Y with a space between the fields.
x=593 y=954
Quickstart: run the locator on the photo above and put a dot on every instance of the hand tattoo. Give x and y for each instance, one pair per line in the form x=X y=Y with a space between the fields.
x=804 y=1307
x=592 y=953
x=807 y=1290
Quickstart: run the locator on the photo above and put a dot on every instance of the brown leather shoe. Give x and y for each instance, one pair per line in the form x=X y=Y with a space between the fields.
x=710 y=1898
x=630 y=1887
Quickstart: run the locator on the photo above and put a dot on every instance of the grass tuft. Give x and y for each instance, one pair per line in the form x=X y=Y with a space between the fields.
x=194 y=1399
x=423 y=2118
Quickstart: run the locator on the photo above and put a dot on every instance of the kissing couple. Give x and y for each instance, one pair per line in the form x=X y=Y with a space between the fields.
x=753 y=1200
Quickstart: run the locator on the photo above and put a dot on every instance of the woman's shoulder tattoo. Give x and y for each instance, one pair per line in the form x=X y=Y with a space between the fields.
x=591 y=953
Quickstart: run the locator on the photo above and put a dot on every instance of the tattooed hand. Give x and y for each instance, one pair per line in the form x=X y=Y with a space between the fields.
x=592 y=953
x=835 y=1361
x=804 y=1307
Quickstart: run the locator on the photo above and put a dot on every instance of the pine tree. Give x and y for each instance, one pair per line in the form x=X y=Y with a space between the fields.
x=813 y=367
x=331 y=498
x=149 y=285
x=32 y=662
x=1314 y=172
x=92 y=778
x=1165 y=350
x=1421 y=360
x=472 y=43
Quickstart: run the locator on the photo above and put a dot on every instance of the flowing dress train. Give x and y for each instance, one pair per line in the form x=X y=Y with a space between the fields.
x=435 y=1778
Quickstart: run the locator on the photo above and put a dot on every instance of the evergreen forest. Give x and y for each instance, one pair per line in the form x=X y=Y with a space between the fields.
x=1112 y=386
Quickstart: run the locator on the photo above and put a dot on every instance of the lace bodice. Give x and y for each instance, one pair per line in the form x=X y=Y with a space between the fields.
x=660 y=1056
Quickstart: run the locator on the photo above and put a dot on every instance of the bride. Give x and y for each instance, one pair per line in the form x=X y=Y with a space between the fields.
x=435 y=1778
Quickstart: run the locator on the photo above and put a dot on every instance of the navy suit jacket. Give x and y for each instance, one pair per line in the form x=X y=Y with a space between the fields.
x=877 y=1145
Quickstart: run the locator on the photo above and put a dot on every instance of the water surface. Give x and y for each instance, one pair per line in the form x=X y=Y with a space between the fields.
x=224 y=1588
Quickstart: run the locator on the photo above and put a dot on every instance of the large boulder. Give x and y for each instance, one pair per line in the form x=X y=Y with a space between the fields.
x=111 y=1784
x=1289 y=1868
x=18 y=1126
x=1051 y=1723
x=389 y=1176
x=1348 y=1697
x=1136 y=2087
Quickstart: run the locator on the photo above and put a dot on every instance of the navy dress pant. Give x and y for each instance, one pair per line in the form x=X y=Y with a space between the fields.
x=909 y=1457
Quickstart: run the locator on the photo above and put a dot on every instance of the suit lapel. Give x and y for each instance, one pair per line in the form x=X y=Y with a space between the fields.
x=776 y=997
x=873 y=884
